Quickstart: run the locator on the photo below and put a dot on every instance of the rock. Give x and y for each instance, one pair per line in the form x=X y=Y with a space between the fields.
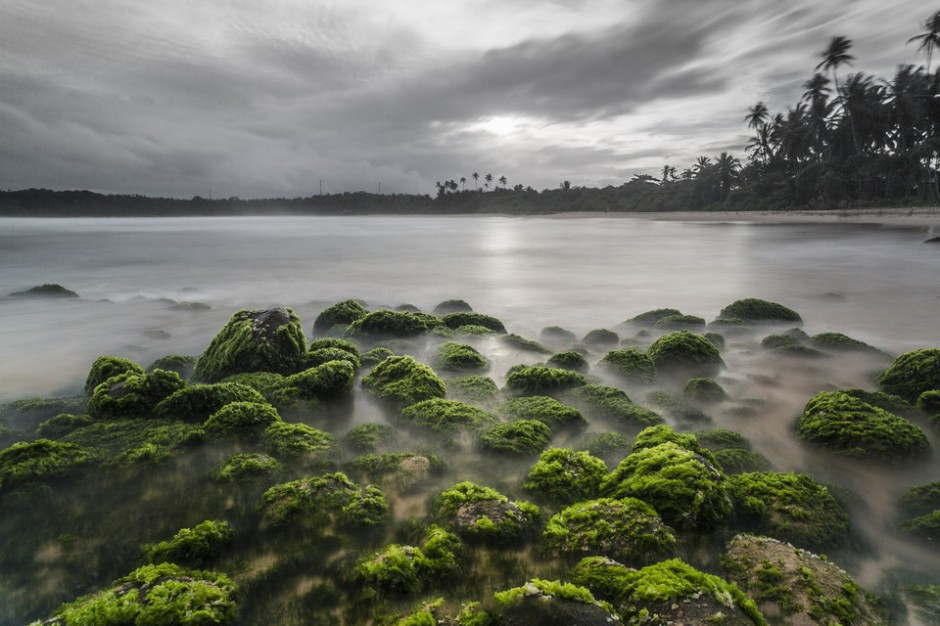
x=757 y=310
x=563 y=476
x=684 y=353
x=45 y=291
x=912 y=373
x=484 y=514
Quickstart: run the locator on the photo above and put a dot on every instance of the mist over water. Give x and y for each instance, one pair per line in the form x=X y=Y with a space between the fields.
x=138 y=278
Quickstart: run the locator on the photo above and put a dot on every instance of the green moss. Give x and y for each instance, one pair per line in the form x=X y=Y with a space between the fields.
x=484 y=514
x=569 y=360
x=912 y=373
x=458 y=357
x=370 y=437
x=339 y=314
x=471 y=330
x=799 y=352
x=292 y=440
x=374 y=466
x=730 y=325
x=105 y=367
x=687 y=491
x=446 y=416
x=468 y=318
x=248 y=465
x=600 y=338
x=182 y=364
x=384 y=324
x=649 y=318
x=133 y=395
x=537 y=380
x=332 y=342
x=401 y=569
x=738 y=461
x=157 y=595
x=792 y=337
x=715 y=339
x=921 y=499
x=685 y=353
x=241 y=420
x=313 y=358
x=756 y=310
x=850 y=427
x=663 y=433
x=196 y=547
x=479 y=389
x=929 y=403
x=613 y=405
x=26 y=414
x=375 y=356
x=926 y=526
x=196 y=403
x=704 y=391
x=551 y=602
x=627 y=530
x=633 y=365
x=518 y=438
x=254 y=341
x=605 y=445
x=452 y=306
x=61 y=425
x=721 y=439
x=332 y=497
x=143 y=456
x=117 y=438
x=547 y=410
x=332 y=379
x=563 y=476
x=41 y=461
x=557 y=335
x=837 y=342
x=680 y=322
x=521 y=343
x=926 y=599
x=790 y=507
x=404 y=381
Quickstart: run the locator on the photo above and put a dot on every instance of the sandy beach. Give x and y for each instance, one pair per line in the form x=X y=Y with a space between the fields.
x=928 y=217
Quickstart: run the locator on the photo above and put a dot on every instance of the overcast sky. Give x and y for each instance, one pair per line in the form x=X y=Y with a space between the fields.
x=266 y=98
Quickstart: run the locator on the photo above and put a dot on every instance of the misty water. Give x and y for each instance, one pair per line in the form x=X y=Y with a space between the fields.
x=152 y=287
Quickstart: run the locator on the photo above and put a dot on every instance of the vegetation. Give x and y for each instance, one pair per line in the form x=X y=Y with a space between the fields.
x=132 y=395
x=106 y=367
x=331 y=501
x=479 y=389
x=469 y=318
x=757 y=310
x=563 y=476
x=613 y=405
x=685 y=353
x=547 y=410
x=195 y=403
x=635 y=366
x=912 y=374
x=196 y=547
x=384 y=324
x=41 y=461
x=518 y=438
x=458 y=357
x=403 y=380
x=340 y=314
x=534 y=380
x=445 y=416
x=483 y=514
x=569 y=360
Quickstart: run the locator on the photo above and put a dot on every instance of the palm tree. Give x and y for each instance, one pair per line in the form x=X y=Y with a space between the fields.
x=726 y=169
x=476 y=179
x=669 y=174
x=702 y=164
x=463 y=182
x=488 y=178
x=930 y=39
x=836 y=54
x=757 y=115
x=503 y=180
x=817 y=95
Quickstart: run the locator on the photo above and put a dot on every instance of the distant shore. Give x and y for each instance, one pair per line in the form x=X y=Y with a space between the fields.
x=909 y=216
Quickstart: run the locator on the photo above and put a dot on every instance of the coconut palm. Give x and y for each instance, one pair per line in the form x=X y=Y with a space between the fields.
x=488 y=178
x=503 y=181
x=757 y=115
x=836 y=54
x=817 y=96
x=476 y=179
x=463 y=182
x=929 y=39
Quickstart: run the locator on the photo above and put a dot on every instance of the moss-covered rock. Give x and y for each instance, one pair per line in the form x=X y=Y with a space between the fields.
x=792 y=337
x=732 y=451
x=921 y=499
x=182 y=364
x=398 y=569
x=114 y=439
x=600 y=339
x=716 y=339
x=458 y=357
x=545 y=409
x=850 y=427
x=333 y=342
x=685 y=353
x=332 y=379
x=563 y=476
x=757 y=310
x=886 y=401
x=569 y=360
x=446 y=416
x=837 y=342
x=648 y=319
x=331 y=501
x=105 y=367
x=680 y=322
x=669 y=592
x=287 y=439
x=370 y=437
x=373 y=357
x=254 y=341
x=704 y=391
x=156 y=595
x=247 y=466
x=663 y=433
x=686 y=489
x=678 y=408
x=627 y=530
x=929 y=403
x=245 y=421
x=132 y=395
x=519 y=438
x=635 y=366
x=521 y=343
x=468 y=318
x=384 y=324
x=469 y=330
x=794 y=586
x=798 y=351
x=41 y=461
x=402 y=471
x=452 y=306
x=317 y=357
x=790 y=507
x=535 y=380
x=196 y=403
x=196 y=547
x=605 y=445
x=404 y=381
x=557 y=336
x=484 y=514
x=61 y=425
x=340 y=314
x=613 y=405
x=551 y=603
x=475 y=389
x=912 y=373
x=926 y=526
x=27 y=413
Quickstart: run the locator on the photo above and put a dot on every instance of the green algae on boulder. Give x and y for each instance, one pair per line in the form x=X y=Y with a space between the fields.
x=241 y=420
x=551 y=603
x=563 y=476
x=929 y=403
x=446 y=416
x=370 y=437
x=125 y=437
x=627 y=530
x=664 y=433
x=272 y=340
x=41 y=461
x=545 y=409
x=331 y=498
x=182 y=364
x=732 y=451
x=600 y=339
x=133 y=395
x=452 y=306
x=61 y=425
x=329 y=380
x=518 y=438
x=196 y=403
x=403 y=380
x=633 y=365
x=483 y=514
x=247 y=465
x=669 y=592
x=794 y=586
x=649 y=318
x=478 y=389
x=398 y=569
x=912 y=373
x=837 y=342
x=469 y=318
x=757 y=310
x=340 y=314
x=385 y=324
x=569 y=360
x=685 y=353
x=196 y=547
x=686 y=489
x=790 y=507
x=556 y=335
x=521 y=343
x=605 y=445
x=156 y=595
x=613 y=405
x=317 y=357
x=850 y=427
x=105 y=367
x=704 y=391
x=373 y=357
x=295 y=439
x=678 y=408
x=680 y=322
x=458 y=357
x=333 y=342
x=402 y=471
x=535 y=380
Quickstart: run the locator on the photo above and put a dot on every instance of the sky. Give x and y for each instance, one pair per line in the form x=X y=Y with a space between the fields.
x=268 y=98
